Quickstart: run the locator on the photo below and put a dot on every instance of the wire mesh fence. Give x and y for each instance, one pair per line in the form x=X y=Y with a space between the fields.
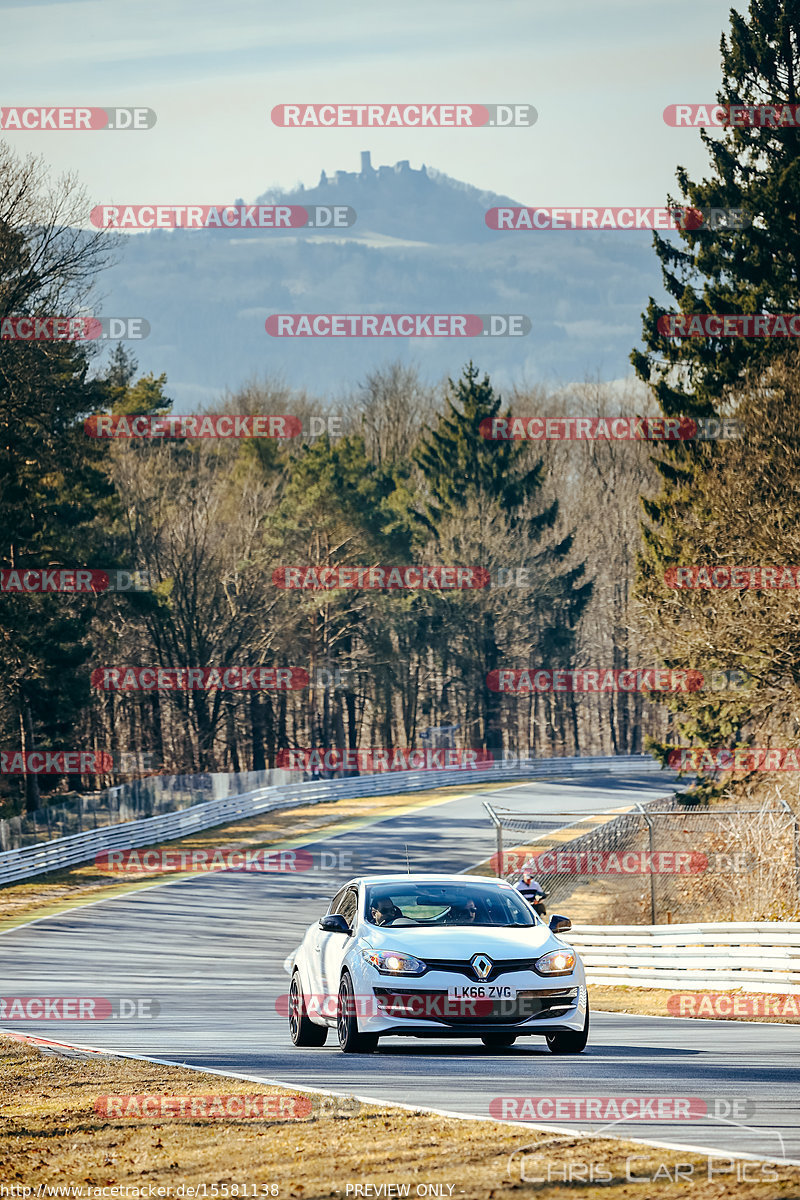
x=129 y=802
x=657 y=863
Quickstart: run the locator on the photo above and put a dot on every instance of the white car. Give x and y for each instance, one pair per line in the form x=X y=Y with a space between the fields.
x=436 y=956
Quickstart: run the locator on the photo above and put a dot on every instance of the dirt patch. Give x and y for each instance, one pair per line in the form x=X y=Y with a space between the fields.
x=54 y=1137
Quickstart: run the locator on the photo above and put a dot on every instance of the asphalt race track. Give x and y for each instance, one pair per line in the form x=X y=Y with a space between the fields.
x=209 y=951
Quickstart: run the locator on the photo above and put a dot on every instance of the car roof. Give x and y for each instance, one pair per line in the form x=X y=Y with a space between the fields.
x=427 y=878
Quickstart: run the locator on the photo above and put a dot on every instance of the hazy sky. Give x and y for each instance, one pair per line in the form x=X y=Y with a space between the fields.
x=599 y=74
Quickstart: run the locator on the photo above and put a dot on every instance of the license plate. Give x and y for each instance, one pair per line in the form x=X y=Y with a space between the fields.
x=481 y=991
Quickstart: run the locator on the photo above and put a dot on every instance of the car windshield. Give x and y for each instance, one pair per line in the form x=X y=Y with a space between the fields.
x=467 y=903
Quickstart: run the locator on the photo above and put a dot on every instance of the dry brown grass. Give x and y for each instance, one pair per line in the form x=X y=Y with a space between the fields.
x=52 y=1135
x=700 y=1005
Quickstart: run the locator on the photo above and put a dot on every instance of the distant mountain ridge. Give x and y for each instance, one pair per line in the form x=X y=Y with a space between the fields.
x=420 y=244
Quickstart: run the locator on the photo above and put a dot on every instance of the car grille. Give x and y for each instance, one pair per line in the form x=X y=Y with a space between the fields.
x=502 y=966
x=430 y=1005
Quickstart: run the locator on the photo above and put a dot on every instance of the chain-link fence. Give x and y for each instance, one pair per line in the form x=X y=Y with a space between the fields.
x=657 y=863
x=129 y=802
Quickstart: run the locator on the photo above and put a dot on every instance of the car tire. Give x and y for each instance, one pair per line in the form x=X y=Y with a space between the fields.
x=351 y=1040
x=570 y=1041
x=302 y=1030
x=498 y=1041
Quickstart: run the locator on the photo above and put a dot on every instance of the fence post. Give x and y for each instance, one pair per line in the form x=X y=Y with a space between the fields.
x=499 y=835
x=796 y=840
x=652 y=872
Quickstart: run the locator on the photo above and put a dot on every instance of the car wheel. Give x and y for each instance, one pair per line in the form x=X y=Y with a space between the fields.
x=568 y=1041
x=350 y=1040
x=302 y=1030
x=498 y=1041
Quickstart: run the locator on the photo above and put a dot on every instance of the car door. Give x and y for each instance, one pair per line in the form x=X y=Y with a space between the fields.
x=315 y=943
x=334 y=946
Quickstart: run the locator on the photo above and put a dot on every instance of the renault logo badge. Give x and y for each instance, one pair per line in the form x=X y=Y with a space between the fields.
x=481 y=965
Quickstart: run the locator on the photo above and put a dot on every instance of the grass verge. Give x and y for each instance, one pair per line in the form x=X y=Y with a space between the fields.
x=53 y=1135
x=702 y=1005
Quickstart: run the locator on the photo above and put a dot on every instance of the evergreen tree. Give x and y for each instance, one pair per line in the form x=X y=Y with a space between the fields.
x=750 y=270
x=493 y=485
x=754 y=269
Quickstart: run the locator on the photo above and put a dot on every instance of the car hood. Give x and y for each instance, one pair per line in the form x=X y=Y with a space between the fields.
x=461 y=943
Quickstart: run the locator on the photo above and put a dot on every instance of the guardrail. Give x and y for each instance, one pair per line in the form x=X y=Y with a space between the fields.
x=82 y=847
x=758 y=956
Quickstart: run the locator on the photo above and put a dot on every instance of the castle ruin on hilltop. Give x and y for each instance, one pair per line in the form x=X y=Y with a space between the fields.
x=368 y=173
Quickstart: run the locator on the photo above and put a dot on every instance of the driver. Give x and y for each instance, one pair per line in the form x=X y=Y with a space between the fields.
x=384 y=911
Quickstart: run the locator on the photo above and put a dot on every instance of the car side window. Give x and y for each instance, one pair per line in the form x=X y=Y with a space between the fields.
x=348 y=906
x=337 y=901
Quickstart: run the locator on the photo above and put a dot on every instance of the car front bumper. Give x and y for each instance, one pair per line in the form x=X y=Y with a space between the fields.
x=421 y=1007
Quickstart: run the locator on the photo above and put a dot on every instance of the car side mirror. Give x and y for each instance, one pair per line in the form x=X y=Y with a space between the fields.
x=335 y=923
x=560 y=924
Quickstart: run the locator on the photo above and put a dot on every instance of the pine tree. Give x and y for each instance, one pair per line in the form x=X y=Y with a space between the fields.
x=754 y=269
x=458 y=461
x=493 y=484
x=750 y=270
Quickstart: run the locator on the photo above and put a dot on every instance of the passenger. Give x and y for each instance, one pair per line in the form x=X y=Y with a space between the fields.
x=465 y=913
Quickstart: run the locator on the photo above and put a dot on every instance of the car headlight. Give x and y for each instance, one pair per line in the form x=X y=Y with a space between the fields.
x=388 y=962
x=557 y=962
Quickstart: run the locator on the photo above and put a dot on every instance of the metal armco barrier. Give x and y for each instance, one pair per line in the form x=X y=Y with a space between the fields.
x=761 y=956
x=82 y=847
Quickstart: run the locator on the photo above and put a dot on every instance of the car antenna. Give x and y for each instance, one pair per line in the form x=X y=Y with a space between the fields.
x=408 y=867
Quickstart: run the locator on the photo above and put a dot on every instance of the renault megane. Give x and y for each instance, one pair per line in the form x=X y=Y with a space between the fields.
x=436 y=956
